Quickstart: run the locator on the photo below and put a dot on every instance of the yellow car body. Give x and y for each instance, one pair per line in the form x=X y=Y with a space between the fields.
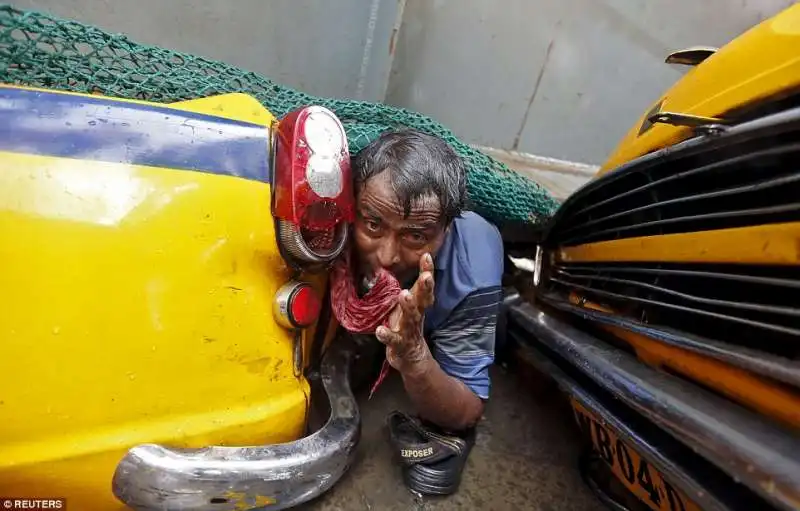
x=672 y=208
x=760 y=67
x=139 y=290
x=139 y=294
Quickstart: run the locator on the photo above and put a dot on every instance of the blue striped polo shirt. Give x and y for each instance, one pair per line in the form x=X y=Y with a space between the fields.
x=460 y=325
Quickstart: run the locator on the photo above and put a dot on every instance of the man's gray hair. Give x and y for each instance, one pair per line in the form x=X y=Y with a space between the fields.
x=420 y=165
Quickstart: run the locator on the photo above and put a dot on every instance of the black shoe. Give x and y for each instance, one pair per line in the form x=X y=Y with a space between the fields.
x=432 y=460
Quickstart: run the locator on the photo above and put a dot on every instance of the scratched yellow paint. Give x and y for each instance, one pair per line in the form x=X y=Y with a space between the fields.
x=243 y=502
x=242 y=107
x=236 y=106
x=137 y=307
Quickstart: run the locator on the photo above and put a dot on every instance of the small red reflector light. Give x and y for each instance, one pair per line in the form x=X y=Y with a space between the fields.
x=304 y=307
x=296 y=305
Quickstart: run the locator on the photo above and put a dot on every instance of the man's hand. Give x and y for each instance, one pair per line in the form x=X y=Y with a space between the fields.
x=437 y=396
x=405 y=344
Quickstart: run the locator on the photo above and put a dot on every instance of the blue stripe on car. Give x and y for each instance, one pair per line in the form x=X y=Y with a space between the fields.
x=88 y=128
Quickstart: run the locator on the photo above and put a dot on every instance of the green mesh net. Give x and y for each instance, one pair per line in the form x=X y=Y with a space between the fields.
x=40 y=50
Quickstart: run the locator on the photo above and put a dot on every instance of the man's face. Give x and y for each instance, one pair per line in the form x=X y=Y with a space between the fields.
x=386 y=238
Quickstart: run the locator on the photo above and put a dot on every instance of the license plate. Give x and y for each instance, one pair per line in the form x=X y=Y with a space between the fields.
x=640 y=477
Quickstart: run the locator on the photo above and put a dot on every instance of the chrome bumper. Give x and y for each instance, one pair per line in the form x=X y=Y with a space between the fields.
x=750 y=449
x=278 y=476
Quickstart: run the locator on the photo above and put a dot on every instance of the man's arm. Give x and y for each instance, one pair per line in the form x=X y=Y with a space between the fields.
x=440 y=398
x=448 y=394
x=449 y=389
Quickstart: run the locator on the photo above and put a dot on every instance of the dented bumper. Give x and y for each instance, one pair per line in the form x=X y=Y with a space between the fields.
x=276 y=476
x=721 y=455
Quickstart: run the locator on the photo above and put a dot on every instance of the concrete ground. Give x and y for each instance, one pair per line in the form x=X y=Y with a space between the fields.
x=525 y=457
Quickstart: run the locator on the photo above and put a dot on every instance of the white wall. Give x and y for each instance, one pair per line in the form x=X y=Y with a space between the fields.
x=562 y=78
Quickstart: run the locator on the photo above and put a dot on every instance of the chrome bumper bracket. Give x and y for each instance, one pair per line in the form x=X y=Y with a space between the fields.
x=273 y=477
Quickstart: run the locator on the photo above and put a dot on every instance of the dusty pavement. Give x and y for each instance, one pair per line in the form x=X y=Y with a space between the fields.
x=524 y=458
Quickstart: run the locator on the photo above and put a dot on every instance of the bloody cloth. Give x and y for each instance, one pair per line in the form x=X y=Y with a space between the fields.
x=363 y=315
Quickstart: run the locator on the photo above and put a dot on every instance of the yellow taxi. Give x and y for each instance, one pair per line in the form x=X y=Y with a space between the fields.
x=666 y=289
x=164 y=276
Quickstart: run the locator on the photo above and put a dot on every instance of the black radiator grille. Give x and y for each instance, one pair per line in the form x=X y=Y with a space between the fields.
x=749 y=306
x=747 y=176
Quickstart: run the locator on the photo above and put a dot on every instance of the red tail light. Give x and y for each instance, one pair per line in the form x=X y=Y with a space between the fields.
x=296 y=305
x=312 y=184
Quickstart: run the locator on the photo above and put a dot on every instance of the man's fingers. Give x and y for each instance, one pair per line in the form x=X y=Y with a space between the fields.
x=425 y=293
x=423 y=287
x=423 y=283
x=411 y=317
x=422 y=291
x=410 y=308
x=388 y=337
x=426 y=263
x=412 y=303
x=394 y=318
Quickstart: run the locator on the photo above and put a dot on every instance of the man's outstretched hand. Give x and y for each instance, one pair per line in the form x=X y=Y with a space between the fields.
x=405 y=344
x=437 y=396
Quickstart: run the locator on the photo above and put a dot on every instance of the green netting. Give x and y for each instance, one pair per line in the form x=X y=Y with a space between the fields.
x=40 y=50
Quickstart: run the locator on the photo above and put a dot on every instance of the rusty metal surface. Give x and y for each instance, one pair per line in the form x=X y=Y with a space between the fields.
x=750 y=449
x=278 y=476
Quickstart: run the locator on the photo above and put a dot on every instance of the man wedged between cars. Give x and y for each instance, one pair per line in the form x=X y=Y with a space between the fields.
x=410 y=192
